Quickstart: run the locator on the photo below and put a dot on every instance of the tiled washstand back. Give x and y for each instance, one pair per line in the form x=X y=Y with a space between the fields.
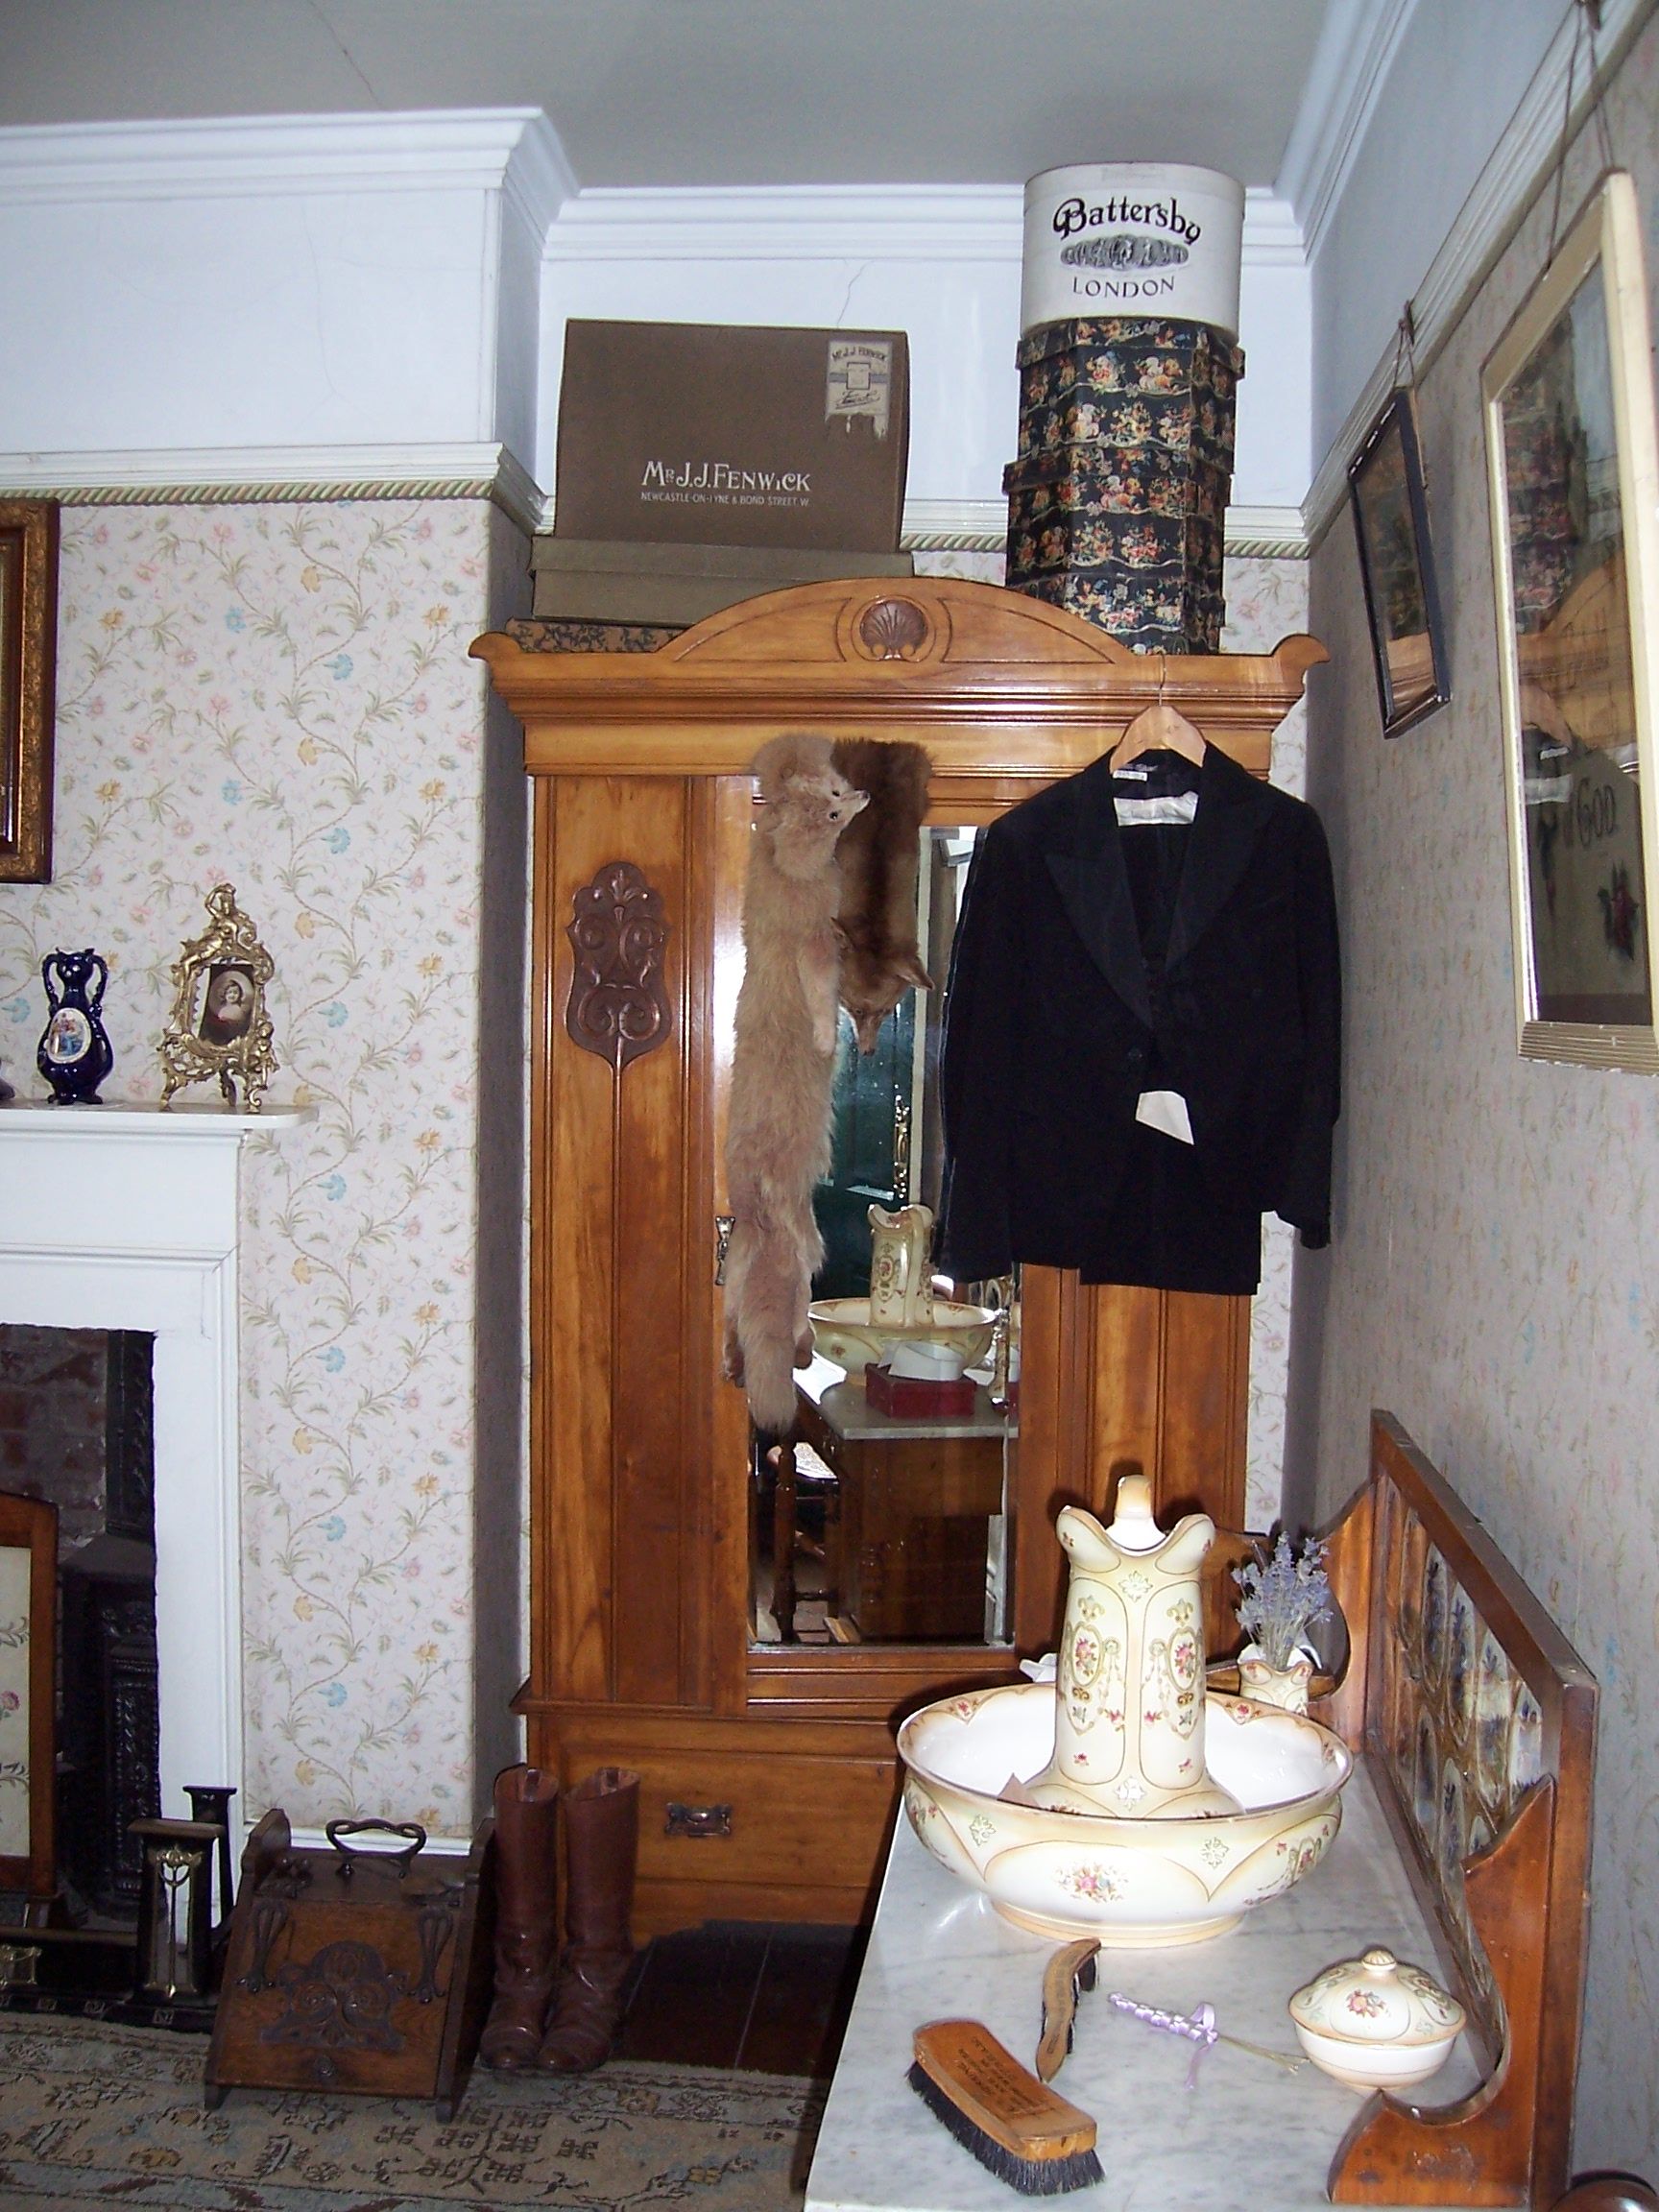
x=1117 y=498
x=1479 y=1721
x=1463 y=1731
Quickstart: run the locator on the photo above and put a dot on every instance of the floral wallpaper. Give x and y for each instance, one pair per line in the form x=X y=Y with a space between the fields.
x=1266 y=601
x=15 y=1775
x=280 y=695
x=1493 y=1279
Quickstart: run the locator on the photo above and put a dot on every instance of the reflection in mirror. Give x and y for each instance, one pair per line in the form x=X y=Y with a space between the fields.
x=884 y=1518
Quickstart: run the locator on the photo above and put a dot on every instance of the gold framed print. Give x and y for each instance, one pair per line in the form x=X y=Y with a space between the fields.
x=1390 y=501
x=1574 y=472
x=27 y=661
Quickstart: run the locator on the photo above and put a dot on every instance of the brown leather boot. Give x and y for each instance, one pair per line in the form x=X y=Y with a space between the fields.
x=526 y=1916
x=601 y=1845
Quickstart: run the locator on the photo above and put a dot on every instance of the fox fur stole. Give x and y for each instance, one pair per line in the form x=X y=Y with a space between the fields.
x=877 y=855
x=783 y=1070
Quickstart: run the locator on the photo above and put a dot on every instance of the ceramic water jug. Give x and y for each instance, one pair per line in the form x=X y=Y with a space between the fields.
x=901 y=1270
x=1129 y=1694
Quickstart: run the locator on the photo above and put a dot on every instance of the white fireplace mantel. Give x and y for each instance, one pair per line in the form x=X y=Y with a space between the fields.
x=123 y=1216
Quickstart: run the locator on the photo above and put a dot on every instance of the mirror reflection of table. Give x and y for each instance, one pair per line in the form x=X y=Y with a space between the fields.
x=911 y=1534
x=1245 y=2134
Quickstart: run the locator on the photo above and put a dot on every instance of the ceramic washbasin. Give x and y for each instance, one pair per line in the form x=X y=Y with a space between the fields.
x=843 y=1330
x=1141 y=1882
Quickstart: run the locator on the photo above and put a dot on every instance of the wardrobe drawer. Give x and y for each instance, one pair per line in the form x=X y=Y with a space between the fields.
x=795 y=1820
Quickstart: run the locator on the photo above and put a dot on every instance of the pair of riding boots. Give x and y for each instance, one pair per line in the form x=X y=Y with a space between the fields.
x=561 y=2011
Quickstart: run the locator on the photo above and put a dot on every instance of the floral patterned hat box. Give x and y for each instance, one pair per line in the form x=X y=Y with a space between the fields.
x=1128 y=367
x=1117 y=498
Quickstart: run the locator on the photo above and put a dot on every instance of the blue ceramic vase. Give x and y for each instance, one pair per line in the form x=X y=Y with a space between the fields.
x=75 y=1054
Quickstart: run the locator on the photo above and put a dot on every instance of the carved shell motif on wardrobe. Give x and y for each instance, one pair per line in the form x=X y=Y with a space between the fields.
x=769 y=1770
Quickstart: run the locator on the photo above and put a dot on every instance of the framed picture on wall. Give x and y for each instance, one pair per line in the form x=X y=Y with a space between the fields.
x=28 y=1679
x=1397 y=568
x=1574 y=467
x=28 y=659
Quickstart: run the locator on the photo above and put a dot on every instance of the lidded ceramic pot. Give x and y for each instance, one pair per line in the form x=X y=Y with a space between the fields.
x=1129 y=1694
x=1375 y=2023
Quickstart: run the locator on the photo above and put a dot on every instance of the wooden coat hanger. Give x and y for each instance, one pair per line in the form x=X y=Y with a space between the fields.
x=1159 y=728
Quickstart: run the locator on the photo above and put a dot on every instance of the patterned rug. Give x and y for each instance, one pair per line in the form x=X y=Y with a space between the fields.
x=92 y=2114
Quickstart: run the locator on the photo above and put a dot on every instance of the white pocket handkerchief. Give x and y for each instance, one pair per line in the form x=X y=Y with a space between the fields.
x=1166 y=1110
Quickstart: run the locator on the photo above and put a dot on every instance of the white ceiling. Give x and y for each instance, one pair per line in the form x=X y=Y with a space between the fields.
x=708 y=93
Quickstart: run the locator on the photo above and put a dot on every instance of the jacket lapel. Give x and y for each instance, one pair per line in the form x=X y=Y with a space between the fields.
x=1232 y=805
x=1088 y=874
x=1086 y=863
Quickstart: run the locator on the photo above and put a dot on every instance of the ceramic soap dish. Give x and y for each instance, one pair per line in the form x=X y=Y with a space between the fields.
x=1375 y=2023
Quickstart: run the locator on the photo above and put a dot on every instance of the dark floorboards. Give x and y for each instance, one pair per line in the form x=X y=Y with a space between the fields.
x=768 y=1999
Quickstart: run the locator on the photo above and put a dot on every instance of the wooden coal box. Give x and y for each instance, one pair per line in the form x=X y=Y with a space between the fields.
x=355 y=1971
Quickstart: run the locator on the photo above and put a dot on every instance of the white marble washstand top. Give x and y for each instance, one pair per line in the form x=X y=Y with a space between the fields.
x=1246 y=2135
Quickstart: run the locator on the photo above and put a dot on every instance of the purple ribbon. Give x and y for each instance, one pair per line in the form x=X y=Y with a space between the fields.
x=1199 y=2027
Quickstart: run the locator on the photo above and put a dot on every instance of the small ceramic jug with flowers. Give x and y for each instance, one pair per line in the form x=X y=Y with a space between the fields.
x=1286 y=1687
x=1285 y=1593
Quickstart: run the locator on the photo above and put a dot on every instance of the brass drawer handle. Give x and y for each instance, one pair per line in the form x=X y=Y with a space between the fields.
x=694 y=1820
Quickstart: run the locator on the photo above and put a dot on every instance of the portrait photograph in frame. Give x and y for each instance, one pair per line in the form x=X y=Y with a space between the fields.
x=1573 y=470
x=1385 y=484
x=230 y=996
x=28 y=663
x=221 y=1027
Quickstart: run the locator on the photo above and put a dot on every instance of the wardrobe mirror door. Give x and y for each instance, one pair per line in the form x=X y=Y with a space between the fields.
x=883 y=1518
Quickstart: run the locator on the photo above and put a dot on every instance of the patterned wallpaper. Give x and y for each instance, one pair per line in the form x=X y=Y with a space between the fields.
x=1268 y=600
x=1493 y=1280
x=280 y=695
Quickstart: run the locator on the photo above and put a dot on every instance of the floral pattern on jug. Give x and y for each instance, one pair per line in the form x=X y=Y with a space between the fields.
x=901 y=1276
x=1129 y=1715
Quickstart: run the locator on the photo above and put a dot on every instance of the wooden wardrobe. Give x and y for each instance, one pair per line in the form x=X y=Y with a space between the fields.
x=769 y=1770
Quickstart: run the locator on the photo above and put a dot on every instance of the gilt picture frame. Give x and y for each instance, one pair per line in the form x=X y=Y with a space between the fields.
x=221 y=1031
x=1574 y=473
x=1386 y=486
x=28 y=667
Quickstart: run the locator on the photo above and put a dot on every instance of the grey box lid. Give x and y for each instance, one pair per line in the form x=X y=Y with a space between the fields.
x=599 y=580
x=774 y=564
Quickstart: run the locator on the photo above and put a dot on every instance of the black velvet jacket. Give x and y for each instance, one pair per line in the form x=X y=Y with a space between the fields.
x=1067 y=998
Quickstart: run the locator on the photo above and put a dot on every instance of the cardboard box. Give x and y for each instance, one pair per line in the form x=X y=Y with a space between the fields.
x=607 y=580
x=708 y=434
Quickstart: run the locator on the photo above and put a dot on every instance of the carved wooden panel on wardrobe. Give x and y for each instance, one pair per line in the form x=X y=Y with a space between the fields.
x=769 y=1770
